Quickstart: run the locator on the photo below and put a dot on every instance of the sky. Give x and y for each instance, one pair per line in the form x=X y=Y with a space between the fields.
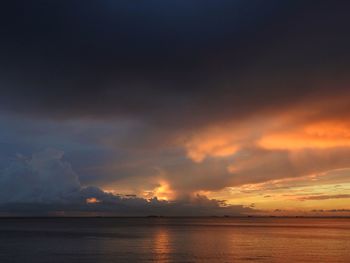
x=175 y=108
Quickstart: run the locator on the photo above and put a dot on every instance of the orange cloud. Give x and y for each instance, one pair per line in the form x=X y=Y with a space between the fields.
x=214 y=147
x=212 y=142
x=317 y=125
x=162 y=191
x=324 y=134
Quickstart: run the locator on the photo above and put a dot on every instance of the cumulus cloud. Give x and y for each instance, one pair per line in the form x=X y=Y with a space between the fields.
x=45 y=183
x=42 y=178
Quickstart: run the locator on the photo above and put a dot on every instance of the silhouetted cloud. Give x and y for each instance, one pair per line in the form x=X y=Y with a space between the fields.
x=46 y=185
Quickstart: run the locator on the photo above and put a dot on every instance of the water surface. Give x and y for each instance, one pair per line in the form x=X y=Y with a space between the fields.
x=174 y=240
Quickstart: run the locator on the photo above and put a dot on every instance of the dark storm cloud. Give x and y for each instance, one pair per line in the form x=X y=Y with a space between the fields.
x=161 y=59
x=45 y=184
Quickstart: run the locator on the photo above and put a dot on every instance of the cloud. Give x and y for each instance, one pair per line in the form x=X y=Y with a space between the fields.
x=332 y=211
x=324 y=197
x=196 y=69
x=41 y=178
x=259 y=165
x=306 y=139
x=46 y=184
x=141 y=100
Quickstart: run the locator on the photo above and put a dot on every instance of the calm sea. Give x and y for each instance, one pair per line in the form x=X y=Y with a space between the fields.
x=129 y=240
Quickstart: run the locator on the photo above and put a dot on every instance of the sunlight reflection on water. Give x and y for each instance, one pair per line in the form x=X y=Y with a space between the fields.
x=175 y=240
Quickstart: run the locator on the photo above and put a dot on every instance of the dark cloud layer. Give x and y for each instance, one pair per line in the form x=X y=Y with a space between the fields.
x=205 y=59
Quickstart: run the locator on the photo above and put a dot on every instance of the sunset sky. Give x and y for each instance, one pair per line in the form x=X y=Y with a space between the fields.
x=175 y=107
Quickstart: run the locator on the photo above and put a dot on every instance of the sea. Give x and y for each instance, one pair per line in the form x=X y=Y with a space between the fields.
x=154 y=239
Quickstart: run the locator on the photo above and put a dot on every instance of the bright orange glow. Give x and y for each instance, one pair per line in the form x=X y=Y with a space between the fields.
x=162 y=192
x=92 y=200
x=317 y=135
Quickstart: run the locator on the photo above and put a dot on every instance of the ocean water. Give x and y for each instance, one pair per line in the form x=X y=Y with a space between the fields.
x=129 y=240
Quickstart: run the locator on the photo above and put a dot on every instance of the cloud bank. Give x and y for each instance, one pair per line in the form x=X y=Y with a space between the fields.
x=45 y=184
